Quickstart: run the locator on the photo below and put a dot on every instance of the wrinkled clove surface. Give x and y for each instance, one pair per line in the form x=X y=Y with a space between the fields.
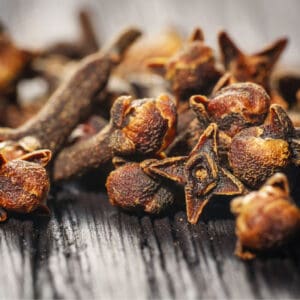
x=190 y=71
x=142 y=127
x=257 y=67
x=200 y=172
x=72 y=100
x=256 y=153
x=232 y=108
x=24 y=184
x=266 y=218
x=130 y=188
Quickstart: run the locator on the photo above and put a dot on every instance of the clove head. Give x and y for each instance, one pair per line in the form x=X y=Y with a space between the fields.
x=256 y=153
x=191 y=70
x=256 y=67
x=25 y=183
x=15 y=149
x=233 y=108
x=265 y=218
x=130 y=188
x=143 y=126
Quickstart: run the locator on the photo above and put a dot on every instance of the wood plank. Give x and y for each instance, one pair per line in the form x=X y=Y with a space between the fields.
x=89 y=249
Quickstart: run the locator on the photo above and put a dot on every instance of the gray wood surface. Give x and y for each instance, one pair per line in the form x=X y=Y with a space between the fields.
x=90 y=250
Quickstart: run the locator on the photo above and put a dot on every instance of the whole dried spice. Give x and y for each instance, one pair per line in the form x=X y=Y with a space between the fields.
x=232 y=108
x=73 y=100
x=256 y=153
x=256 y=67
x=266 y=218
x=142 y=127
x=190 y=71
x=200 y=173
x=130 y=188
x=24 y=184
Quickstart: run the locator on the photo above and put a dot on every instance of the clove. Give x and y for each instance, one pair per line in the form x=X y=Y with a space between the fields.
x=72 y=101
x=266 y=218
x=24 y=184
x=200 y=172
x=143 y=127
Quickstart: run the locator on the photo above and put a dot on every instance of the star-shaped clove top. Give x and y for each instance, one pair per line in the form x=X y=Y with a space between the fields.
x=200 y=173
x=256 y=67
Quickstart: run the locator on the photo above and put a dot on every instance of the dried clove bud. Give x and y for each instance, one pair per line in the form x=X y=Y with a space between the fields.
x=256 y=153
x=130 y=188
x=190 y=71
x=233 y=108
x=72 y=101
x=256 y=67
x=144 y=127
x=200 y=173
x=266 y=218
x=14 y=149
x=24 y=184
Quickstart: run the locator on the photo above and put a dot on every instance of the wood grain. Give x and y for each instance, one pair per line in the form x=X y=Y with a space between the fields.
x=90 y=250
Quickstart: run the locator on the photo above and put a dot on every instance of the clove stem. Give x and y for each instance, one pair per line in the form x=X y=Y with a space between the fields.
x=73 y=100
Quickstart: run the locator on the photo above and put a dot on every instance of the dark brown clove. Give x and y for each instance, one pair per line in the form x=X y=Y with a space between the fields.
x=232 y=108
x=256 y=153
x=130 y=188
x=24 y=184
x=144 y=127
x=190 y=71
x=256 y=67
x=200 y=173
x=72 y=101
x=266 y=218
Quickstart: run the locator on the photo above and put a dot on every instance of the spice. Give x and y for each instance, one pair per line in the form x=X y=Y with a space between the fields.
x=200 y=172
x=190 y=71
x=24 y=184
x=266 y=218
x=256 y=67
x=256 y=153
x=233 y=108
x=130 y=188
x=143 y=127
x=72 y=100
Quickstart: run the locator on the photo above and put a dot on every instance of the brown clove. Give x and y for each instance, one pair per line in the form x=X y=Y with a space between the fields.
x=72 y=101
x=143 y=127
x=24 y=184
x=266 y=218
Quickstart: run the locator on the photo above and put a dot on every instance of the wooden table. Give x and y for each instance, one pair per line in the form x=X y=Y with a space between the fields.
x=90 y=250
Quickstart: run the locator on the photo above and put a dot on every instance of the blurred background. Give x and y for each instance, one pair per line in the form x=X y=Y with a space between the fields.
x=252 y=23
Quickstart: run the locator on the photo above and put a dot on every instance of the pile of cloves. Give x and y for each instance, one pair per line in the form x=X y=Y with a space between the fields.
x=167 y=114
